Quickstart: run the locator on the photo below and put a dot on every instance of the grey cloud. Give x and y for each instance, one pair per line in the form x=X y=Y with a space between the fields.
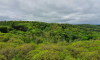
x=4 y=18
x=56 y=11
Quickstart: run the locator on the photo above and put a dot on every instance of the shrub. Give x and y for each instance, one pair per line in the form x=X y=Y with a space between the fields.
x=2 y=57
x=23 y=50
x=69 y=58
x=75 y=51
x=13 y=40
x=31 y=54
x=8 y=52
x=89 y=56
x=45 y=55
x=4 y=29
x=4 y=38
x=21 y=27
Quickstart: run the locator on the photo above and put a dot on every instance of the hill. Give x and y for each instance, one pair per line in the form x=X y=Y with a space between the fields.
x=33 y=40
x=91 y=27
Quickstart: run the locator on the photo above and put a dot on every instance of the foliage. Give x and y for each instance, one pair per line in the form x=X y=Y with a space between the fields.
x=32 y=40
x=4 y=29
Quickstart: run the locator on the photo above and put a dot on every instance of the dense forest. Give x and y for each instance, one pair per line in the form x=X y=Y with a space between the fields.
x=33 y=40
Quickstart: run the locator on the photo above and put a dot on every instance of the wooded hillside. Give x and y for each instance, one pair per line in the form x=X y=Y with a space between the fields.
x=32 y=40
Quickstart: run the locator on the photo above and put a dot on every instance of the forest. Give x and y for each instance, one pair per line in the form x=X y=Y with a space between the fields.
x=34 y=40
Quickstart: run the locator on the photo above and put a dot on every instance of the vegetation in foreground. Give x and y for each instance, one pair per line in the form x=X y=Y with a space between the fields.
x=27 y=40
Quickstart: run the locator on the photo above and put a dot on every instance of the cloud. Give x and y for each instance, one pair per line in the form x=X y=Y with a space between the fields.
x=51 y=11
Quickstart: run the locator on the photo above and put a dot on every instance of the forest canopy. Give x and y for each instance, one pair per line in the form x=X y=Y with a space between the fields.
x=33 y=40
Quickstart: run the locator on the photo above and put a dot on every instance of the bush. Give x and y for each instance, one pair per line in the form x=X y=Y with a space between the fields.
x=13 y=40
x=31 y=54
x=2 y=57
x=75 y=51
x=4 y=38
x=21 y=27
x=69 y=58
x=45 y=55
x=24 y=49
x=8 y=52
x=89 y=56
x=4 y=29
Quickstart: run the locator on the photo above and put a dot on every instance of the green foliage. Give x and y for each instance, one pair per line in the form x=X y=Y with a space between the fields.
x=4 y=38
x=8 y=52
x=48 y=52
x=21 y=27
x=4 y=29
x=89 y=56
x=2 y=57
x=28 y=40
x=13 y=40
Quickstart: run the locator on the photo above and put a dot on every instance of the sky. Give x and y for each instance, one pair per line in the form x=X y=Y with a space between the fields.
x=51 y=11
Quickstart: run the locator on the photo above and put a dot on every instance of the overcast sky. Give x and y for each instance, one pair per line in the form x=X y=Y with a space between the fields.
x=51 y=11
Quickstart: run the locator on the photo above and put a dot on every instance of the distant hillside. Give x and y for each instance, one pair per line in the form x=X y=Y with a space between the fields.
x=90 y=27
